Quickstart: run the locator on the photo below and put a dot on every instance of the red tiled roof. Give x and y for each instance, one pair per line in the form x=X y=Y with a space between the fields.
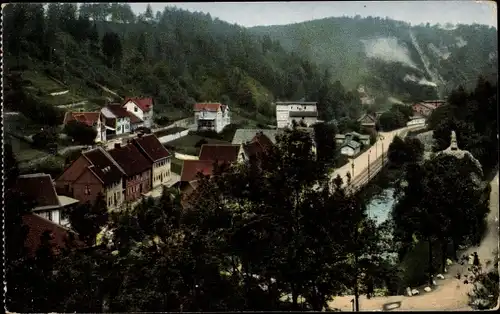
x=144 y=103
x=253 y=148
x=151 y=146
x=220 y=152
x=89 y=118
x=207 y=106
x=118 y=110
x=38 y=225
x=39 y=188
x=191 y=168
x=133 y=118
x=103 y=166
x=263 y=140
x=258 y=145
x=130 y=159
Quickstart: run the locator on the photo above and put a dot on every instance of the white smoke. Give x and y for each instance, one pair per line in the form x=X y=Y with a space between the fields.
x=393 y=100
x=440 y=52
x=460 y=42
x=387 y=49
x=421 y=81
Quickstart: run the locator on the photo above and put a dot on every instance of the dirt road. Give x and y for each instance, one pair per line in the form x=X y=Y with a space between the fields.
x=371 y=155
x=450 y=293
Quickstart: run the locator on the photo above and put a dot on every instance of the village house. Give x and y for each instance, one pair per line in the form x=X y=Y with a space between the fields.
x=350 y=148
x=142 y=108
x=416 y=120
x=363 y=138
x=92 y=173
x=59 y=235
x=150 y=146
x=117 y=119
x=298 y=111
x=39 y=188
x=92 y=119
x=190 y=175
x=222 y=152
x=426 y=107
x=211 y=116
x=368 y=122
x=137 y=170
x=257 y=146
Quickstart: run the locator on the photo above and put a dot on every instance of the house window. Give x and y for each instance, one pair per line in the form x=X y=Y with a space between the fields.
x=135 y=109
x=87 y=190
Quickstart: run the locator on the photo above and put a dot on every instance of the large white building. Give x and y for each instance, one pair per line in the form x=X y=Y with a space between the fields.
x=211 y=116
x=287 y=111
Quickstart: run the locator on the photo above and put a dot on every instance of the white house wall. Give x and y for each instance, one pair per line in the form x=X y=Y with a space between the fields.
x=161 y=172
x=131 y=107
x=347 y=151
x=171 y=137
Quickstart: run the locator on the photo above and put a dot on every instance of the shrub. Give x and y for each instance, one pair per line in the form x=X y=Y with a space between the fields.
x=80 y=132
x=162 y=120
x=41 y=140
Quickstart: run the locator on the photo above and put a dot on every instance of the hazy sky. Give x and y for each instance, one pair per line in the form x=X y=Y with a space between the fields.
x=276 y=13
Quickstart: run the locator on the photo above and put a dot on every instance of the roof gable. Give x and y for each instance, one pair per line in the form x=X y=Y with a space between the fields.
x=151 y=147
x=242 y=136
x=366 y=118
x=207 y=106
x=130 y=159
x=118 y=111
x=89 y=118
x=38 y=225
x=38 y=187
x=191 y=168
x=145 y=104
x=103 y=166
x=220 y=152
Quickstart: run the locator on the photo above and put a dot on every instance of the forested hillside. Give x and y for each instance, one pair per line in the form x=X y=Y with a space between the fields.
x=393 y=58
x=175 y=56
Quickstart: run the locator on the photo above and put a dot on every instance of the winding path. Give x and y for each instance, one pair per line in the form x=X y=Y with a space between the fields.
x=450 y=293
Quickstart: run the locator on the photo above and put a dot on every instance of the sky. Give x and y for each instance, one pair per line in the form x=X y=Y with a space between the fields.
x=250 y=14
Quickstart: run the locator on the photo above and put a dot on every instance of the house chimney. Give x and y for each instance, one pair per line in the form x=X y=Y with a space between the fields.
x=117 y=145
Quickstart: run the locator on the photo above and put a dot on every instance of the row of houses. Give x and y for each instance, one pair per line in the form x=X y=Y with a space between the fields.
x=116 y=118
x=122 y=174
x=252 y=144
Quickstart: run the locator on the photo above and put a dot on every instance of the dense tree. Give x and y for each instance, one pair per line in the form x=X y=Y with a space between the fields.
x=44 y=138
x=441 y=202
x=472 y=115
x=112 y=49
x=409 y=150
x=485 y=293
x=80 y=132
x=88 y=219
x=182 y=57
x=324 y=138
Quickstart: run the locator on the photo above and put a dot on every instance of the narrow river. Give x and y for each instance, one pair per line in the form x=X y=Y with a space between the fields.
x=379 y=208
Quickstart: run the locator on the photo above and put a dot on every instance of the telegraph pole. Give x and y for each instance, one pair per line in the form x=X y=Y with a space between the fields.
x=369 y=153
